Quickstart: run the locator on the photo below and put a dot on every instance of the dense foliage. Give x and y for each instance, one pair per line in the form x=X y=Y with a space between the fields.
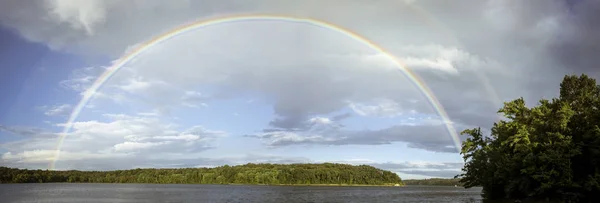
x=327 y=173
x=549 y=151
x=434 y=181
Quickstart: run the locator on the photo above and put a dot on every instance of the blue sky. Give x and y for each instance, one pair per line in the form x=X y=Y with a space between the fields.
x=268 y=91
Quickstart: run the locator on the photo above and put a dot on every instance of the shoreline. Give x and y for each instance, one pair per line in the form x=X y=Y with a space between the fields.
x=328 y=185
x=236 y=184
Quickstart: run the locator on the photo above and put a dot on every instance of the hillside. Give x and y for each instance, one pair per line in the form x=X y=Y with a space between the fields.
x=272 y=174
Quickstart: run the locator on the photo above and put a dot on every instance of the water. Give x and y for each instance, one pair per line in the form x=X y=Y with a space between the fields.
x=115 y=193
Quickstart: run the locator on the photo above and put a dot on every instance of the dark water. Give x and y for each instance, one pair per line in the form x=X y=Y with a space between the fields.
x=115 y=193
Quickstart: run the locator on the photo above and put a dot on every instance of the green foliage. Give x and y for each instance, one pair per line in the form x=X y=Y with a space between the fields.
x=272 y=174
x=549 y=151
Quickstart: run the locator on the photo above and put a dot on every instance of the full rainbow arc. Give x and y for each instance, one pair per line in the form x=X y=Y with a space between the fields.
x=89 y=93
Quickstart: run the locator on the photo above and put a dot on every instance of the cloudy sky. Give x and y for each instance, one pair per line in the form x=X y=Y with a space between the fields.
x=272 y=90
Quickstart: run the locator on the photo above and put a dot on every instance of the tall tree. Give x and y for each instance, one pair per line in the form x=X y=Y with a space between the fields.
x=551 y=150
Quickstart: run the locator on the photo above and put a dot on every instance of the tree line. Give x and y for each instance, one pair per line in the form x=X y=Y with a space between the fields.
x=549 y=151
x=272 y=174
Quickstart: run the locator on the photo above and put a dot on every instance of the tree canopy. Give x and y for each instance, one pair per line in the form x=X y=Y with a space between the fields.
x=548 y=151
x=274 y=174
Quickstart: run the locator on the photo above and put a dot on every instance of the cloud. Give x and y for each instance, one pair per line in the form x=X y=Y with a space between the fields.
x=426 y=168
x=82 y=79
x=120 y=137
x=320 y=121
x=383 y=108
x=213 y=56
x=38 y=159
x=27 y=131
x=473 y=55
x=195 y=99
x=57 y=110
x=135 y=146
x=46 y=156
x=429 y=134
x=135 y=84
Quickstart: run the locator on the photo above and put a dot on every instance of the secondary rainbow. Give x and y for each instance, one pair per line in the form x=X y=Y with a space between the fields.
x=132 y=54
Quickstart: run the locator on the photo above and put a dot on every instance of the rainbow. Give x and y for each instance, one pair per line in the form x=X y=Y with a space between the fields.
x=490 y=90
x=132 y=54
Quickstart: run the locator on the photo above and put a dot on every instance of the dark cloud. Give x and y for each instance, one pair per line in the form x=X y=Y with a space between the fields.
x=428 y=137
x=341 y=117
x=578 y=41
x=433 y=138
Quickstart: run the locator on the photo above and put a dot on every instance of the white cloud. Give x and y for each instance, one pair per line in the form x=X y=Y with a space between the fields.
x=57 y=110
x=46 y=156
x=152 y=113
x=134 y=146
x=194 y=99
x=135 y=84
x=80 y=15
x=435 y=57
x=276 y=138
x=81 y=79
x=382 y=108
x=122 y=136
x=320 y=120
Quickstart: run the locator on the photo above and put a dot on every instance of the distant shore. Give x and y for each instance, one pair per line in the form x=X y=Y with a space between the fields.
x=324 y=174
x=329 y=185
x=237 y=184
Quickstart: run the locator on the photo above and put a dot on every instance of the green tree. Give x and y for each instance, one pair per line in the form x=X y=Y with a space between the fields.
x=551 y=150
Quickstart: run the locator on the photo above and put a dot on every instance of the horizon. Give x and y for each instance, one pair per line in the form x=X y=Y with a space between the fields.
x=212 y=167
x=268 y=90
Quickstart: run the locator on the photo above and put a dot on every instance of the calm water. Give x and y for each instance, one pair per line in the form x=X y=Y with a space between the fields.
x=114 y=193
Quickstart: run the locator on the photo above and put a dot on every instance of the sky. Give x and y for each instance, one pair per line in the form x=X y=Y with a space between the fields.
x=276 y=91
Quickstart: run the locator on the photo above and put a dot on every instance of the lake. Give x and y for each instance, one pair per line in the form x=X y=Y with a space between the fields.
x=114 y=193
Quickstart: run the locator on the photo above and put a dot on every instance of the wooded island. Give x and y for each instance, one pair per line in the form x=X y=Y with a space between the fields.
x=269 y=174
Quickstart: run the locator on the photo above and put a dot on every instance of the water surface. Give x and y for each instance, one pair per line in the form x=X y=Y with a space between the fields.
x=115 y=193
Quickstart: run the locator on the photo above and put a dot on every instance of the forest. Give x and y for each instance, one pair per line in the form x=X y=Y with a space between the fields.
x=550 y=151
x=268 y=174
